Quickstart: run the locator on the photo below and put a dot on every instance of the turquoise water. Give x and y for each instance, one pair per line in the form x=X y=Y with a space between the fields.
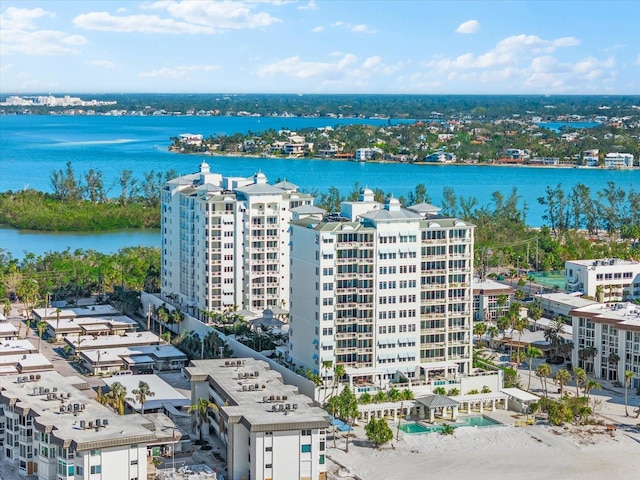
x=34 y=146
x=479 y=421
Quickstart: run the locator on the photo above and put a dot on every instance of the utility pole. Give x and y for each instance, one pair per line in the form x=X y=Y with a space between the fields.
x=149 y=316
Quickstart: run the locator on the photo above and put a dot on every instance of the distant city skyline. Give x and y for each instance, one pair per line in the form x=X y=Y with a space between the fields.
x=315 y=46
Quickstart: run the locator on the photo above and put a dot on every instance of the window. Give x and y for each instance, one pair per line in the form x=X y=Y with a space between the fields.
x=95 y=453
x=134 y=462
x=96 y=469
x=306 y=433
x=306 y=448
x=268 y=449
x=321 y=459
x=268 y=465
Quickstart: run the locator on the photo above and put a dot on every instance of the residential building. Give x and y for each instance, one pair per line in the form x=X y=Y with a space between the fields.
x=55 y=430
x=21 y=356
x=491 y=299
x=364 y=154
x=7 y=331
x=441 y=157
x=605 y=280
x=270 y=430
x=225 y=241
x=618 y=160
x=560 y=304
x=165 y=397
x=607 y=340
x=591 y=158
x=383 y=290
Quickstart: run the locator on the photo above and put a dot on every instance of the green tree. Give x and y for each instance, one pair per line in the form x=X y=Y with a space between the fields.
x=41 y=326
x=201 y=408
x=580 y=376
x=378 y=431
x=348 y=409
x=562 y=377
x=142 y=393
x=531 y=353
x=543 y=371
x=117 y=397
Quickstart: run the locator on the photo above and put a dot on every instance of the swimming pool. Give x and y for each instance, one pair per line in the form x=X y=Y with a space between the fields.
x=479 y=421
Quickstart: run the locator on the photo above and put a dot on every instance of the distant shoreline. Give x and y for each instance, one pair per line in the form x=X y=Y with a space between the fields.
x=435 y=164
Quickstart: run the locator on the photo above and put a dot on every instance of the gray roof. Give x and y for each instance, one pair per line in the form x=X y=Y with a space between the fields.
x=384 y=214
x=286 y=185
x=308 y=209
x=260 y=189
x=437 y=401
x=424 y=208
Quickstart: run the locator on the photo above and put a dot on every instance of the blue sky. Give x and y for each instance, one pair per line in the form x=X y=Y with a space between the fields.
x=315 y=46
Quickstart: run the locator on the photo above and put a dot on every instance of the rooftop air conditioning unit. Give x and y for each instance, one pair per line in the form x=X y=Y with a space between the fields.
x=98 y=422
x=105 y=422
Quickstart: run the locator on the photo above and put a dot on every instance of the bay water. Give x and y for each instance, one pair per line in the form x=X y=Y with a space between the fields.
x=33 y=146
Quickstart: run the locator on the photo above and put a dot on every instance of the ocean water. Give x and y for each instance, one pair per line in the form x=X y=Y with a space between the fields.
x=32 y=147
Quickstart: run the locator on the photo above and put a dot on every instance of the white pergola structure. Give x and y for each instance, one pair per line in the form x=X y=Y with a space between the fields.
x=520 y=399
x=449 y=369
x=482 y=401
x=403 y=408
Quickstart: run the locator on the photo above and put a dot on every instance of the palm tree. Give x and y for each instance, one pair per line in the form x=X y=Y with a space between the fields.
x=142 y=393
x=562 y=377
x=7 y=308
x=41 y=326
x=590 y=385
x=502 y=324
x=394 y=395
x=543 y=371
x=627 y=382
x=532 y=352
x=492 y=332
x=479 y=329
x=117 y=397
x=338 y=373
x=581 y=378
x=535 y=313
x=176 y=317
x=201 y=407
x=326 y=366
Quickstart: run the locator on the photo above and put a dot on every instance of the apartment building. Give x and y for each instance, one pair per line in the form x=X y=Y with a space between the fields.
x=55 y=431
x=383 y=290
x=614 y=331
x=618 y=160
x=491 y=299
x=225 y=241
x=269 y=429
x=606 y=280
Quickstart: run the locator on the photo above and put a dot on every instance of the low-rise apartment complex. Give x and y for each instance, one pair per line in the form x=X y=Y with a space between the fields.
x=55 y=431
x=270 y=430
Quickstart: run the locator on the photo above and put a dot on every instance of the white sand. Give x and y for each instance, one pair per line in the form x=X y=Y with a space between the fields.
x=505 y=452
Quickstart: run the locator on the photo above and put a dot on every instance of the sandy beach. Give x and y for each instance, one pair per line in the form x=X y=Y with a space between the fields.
x=504 y=452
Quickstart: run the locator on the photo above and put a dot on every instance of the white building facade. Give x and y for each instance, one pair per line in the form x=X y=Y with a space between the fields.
x=382 y=290
x=606 y=280
x=225 y=241
x=269 y=429
x=613 y=330
x=618 y=160
x=54 y=431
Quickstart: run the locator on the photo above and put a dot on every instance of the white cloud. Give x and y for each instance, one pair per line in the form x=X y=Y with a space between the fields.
x=295 y=67
x=309 y=6
x=356 y=28
x=470 y=26
x=186 y=17
x=510 y=51
x=178 y=72
x=638 y=60
x=101 y=63
x=6 y=68
x=318 y=29
x=19 y=34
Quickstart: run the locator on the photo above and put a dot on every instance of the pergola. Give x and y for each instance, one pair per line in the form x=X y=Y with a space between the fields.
x=379 y=410
x=438 y=402
x=481 y=399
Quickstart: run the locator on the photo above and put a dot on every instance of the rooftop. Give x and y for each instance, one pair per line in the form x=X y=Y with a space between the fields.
x=623 y=316
x=255 y=396
x=61 y=406
x=89 y=342
x=163 y=392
